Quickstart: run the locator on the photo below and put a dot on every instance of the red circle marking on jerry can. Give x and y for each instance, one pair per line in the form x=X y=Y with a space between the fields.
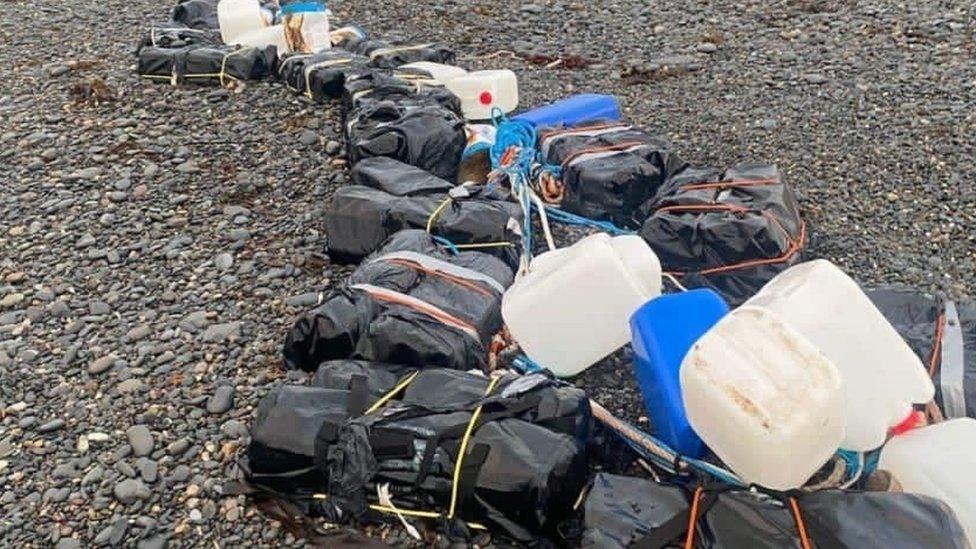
x=485 y=98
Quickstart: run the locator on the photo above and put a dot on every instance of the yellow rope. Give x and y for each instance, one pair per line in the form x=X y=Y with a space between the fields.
x=457 y=467
x=463 y=451
x=485 y=245
x=437 y=212
x=386 y=398
x=420 y=514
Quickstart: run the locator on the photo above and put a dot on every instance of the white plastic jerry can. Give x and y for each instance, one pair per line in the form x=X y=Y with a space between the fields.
x=572 y=307
x=882 y=376
x=440 y=72
x=264 y=37
x=938 y=461
x=763 y=398
x=239 y=17
x=481 y=92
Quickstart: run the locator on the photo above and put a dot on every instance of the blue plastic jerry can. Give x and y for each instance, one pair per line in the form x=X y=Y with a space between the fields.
x=663 y=331
x=573 y=110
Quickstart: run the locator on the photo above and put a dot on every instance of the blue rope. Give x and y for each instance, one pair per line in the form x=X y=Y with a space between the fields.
x=446 y=243
x=566 y=218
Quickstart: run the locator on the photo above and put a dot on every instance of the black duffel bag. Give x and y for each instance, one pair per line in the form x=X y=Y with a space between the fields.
x=387 y=196
x=731 y=231
x=608 y=170
x=430 y=137
x=409 y=303
x=320 y=76
x=507 y=454
x=634 y=513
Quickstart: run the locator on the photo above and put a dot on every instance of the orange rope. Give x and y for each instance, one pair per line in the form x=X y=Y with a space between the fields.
x=464 y=283
x=794 y=245
x=693 y=518
x=607 y=148
x=732 y=183
x=438 y=314
x=800 y=527
x=936 y=345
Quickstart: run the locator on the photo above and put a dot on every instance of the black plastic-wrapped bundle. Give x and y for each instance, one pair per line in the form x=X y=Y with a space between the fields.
x=197 y=14
x=320 y=76
x=507 y=454
x=633 y=513
x=385 y=55
x=206 y=65
x=608 y=170
x=179 y=37
x=431 y=137
x=943 y=334
x=731 y=230
x=410 y=303
x=372 y=86
x=388 y=196
x=835 y=519
x=620 y=510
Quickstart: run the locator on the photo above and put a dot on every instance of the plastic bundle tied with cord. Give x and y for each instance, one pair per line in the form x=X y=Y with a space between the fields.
x=514 y=157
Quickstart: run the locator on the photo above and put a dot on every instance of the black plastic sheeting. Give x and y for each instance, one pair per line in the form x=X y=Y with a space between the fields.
x=385 y=55
x=731 y=231
x=916 y=316
x=197 y=14
x=320 y=76
x=608 y=169
x=525 y=463
x=620 y=510
x=624 y=512
x=834 y=520
x=411 y=303
x=388 y=196
x=429 y=137
x=179 y=37
x=207 y=65
x=372 y=86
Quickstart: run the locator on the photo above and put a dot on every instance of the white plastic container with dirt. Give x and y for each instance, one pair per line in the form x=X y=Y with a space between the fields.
x=763 y=398
x=264 y=37
x=439 y=72
x=938 y=461
x=882 y=376
x=481 y=92
x=240 y=17
x=306 y=27
x=572 y=307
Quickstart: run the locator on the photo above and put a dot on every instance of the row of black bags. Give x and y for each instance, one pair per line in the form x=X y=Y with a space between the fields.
x=635 y=513
x=729 y=230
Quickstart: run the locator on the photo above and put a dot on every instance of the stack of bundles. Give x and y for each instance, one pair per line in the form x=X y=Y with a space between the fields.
x=320 y=76
x=179 y=37
x=410 y=303
x=206 y=63
x=507 y=453
x=197 y=14
x=731 y=230
x=624 y=512
x=609 y=169
x=429 y=137
x=386 y=196
x=943 y=334
x=373 y=86
x=384 y=55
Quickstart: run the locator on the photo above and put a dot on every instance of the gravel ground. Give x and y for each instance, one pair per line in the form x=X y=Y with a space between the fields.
x=155 y=242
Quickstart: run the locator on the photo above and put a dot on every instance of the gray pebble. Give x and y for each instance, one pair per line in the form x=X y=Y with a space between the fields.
x=141 y=440
x=222 y=400
x=130 y=490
